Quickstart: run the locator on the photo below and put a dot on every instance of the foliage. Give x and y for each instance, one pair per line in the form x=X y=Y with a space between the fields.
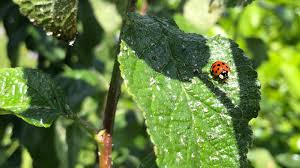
x=30 y=95
x=58 y=18
x=171 y=84
x=267 y=30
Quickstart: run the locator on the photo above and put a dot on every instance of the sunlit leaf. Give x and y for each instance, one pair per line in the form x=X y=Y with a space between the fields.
x=192 y=119
x=289 y=160
x=30 y=95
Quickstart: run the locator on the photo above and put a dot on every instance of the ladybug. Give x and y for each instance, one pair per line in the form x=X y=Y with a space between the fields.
x=220 y=70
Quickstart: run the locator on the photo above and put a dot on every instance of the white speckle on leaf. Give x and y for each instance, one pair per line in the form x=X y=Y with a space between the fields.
x=199 y=140
x=160 y=118
x=152 y=81
x=13 y=90
x=182 y=141
x=166 y=150
x=213 y=158
x=173 y=97
x=197 y=104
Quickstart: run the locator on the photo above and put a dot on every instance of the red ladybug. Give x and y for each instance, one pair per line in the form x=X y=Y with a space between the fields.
x=220 y=69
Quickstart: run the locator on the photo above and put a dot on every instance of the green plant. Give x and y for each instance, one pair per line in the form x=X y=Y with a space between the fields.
x=192 y=119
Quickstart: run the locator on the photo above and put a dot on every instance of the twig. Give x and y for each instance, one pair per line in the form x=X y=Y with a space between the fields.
x=104 y=137
x=104 y=141
x=112 y=97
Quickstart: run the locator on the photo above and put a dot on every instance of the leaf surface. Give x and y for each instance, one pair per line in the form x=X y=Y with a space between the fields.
x=30 y=95
x=57 y=17
x=193 y=120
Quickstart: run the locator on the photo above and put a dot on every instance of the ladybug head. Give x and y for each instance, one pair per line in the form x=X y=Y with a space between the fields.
x=223 y=75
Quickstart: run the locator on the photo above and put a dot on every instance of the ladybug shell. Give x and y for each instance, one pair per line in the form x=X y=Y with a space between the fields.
x=220 y=69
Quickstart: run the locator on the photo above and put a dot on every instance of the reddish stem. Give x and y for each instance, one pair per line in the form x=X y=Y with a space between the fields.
x=104 y=137
x=105 y=146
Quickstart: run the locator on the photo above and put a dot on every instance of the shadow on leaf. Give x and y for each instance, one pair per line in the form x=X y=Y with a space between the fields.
x=181 y=56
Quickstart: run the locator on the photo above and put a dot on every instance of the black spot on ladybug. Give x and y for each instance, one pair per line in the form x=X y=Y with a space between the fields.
x=218 y=65
x=226 y=66
x=223 y=63
x=215 y=71
x=214 y=66
x=218 y=69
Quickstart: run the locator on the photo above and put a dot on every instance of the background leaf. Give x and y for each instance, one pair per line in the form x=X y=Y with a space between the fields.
x=232 y=3
x=30 y=95
x=5 y=63
x=192 y=119
x=58 y=18
x=261 y=158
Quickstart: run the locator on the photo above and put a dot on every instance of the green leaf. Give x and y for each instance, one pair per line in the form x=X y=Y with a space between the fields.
x=232 y=3
x=203 y=15
x=107 y=15
x=30 y=95
x=58 y=18
x=5 y=63
x=40 y=143
x=261 y=158
x=192 y=119
x=85 y=92
x=289 y=160
x=81 y=147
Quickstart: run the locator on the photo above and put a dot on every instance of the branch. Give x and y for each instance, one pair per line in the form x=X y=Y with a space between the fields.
x=104 y=137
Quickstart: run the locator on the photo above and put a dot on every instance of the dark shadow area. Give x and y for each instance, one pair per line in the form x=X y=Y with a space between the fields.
x=164 y=8
x=50 y=96
x=178 y=52
x=39 y=142
x=90 y=35
x=77 y=90
x=15 y=25
x=46 y=99
x=258 y=50
x=181 y=56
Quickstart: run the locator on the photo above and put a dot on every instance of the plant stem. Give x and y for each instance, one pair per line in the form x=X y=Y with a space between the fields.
x=112 y=97
x=104 y=137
